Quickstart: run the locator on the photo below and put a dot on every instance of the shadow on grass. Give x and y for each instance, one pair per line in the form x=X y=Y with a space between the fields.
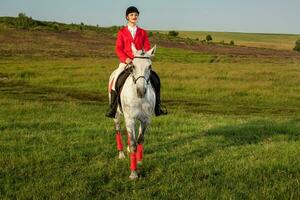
x=257 y=131
x=38 y=126
x=23 y=91
x=197 y=106
x=200 y=145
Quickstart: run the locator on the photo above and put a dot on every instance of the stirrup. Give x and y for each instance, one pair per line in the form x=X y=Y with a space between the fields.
x=110 y=114
x=161 y=111
x=164 y=110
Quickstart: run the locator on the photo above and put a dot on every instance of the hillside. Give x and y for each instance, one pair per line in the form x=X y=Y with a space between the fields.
x=42 y=39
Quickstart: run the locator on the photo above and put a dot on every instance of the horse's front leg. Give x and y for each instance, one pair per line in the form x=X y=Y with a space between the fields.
x=130 y=126
x=140 y=141
x=119 y=136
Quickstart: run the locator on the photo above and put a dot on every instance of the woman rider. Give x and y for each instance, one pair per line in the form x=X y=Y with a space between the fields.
x=138 y=36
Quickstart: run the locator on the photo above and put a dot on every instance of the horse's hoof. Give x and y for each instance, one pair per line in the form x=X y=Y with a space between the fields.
x=133 y=175
x=121 y=155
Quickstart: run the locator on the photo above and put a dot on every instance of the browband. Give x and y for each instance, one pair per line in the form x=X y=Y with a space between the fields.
x=141 y=57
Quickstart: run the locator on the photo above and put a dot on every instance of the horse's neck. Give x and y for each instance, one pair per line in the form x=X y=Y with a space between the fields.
x=128 y=86
x=130 y=100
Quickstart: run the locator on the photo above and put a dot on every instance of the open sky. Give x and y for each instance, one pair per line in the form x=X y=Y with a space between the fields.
x=263 y=16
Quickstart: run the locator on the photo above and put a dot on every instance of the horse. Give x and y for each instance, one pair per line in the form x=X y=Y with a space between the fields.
x=137 y=102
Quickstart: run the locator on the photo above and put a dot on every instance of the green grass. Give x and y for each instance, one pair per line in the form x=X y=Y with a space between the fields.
x=273 y=41
x=232 y=132
x=172 y=55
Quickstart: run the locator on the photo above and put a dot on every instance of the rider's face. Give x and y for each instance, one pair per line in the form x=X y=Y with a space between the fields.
x=133 y=17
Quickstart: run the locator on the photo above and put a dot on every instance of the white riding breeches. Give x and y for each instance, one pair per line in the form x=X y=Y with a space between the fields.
x=116 y=74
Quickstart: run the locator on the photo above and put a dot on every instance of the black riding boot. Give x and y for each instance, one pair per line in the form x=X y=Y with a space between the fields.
x=113 y=104
x=155 y=81
x=158 y=110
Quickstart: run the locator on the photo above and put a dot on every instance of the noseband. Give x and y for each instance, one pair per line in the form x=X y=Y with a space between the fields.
x=136 y=79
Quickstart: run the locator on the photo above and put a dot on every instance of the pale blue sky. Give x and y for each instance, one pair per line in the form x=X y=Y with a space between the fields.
x=267 y=16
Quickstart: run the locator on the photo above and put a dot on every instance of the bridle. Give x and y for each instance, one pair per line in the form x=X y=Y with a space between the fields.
x=128 y=66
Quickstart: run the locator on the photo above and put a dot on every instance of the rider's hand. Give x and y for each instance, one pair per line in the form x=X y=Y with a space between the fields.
x=128 y=61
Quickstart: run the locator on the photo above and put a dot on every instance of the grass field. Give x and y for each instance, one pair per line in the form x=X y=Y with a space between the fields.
x=262 y=40
x=232 y=131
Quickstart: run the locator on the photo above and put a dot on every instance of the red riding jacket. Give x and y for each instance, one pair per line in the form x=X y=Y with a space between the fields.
x=124 y=40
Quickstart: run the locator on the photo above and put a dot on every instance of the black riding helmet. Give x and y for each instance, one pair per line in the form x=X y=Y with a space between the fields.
x=132 y=9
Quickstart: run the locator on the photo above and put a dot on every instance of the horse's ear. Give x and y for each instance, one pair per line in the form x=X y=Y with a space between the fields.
x=134 y=51
x=151 y=52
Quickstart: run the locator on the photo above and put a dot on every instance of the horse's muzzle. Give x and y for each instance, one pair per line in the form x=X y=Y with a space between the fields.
x=141 y=92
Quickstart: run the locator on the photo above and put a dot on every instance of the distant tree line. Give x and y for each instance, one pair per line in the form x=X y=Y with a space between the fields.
x=208 y=38
x=22 y=21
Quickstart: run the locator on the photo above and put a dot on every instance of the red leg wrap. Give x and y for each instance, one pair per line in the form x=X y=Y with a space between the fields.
x=119 y=141
x=133 y=161
x=139 y=155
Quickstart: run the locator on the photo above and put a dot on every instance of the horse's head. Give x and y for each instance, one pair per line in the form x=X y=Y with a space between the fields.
x=141 y=69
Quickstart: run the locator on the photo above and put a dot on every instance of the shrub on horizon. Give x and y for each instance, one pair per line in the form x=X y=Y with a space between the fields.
x=297 y=45
x=24 y=22
x=173 y=33
x=209 y=38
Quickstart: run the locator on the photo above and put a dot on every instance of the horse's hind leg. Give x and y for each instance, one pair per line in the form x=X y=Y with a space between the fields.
x=119 y=136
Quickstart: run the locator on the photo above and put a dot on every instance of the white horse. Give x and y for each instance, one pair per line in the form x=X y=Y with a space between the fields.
x=137 y=104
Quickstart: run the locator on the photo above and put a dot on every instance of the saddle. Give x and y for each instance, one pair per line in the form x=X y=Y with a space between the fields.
x=121 y=80
x=154 y=80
